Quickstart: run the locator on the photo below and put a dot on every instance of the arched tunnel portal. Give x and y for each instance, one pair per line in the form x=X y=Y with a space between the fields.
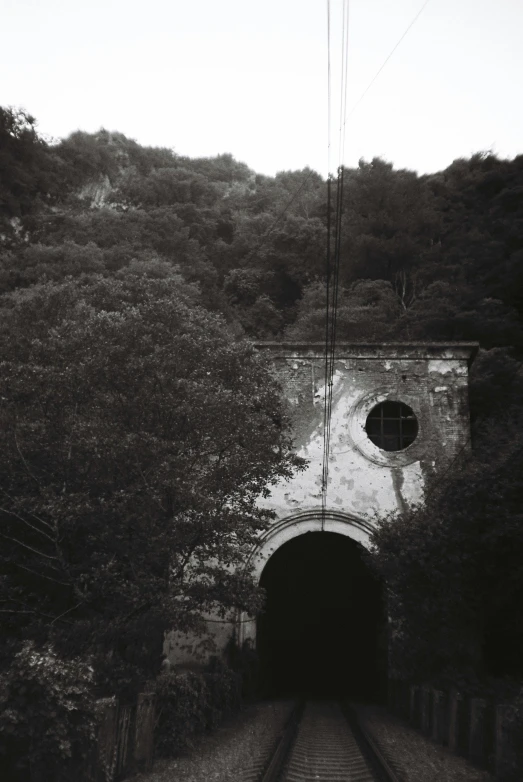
x=323 y=631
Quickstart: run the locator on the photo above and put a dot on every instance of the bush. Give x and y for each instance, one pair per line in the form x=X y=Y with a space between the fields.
x=181 y=707
x=245 y=662
x=224 y=687
x=190 y=703
x=47 y=718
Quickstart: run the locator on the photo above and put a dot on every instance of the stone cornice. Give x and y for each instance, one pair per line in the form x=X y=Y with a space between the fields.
x=458 y=351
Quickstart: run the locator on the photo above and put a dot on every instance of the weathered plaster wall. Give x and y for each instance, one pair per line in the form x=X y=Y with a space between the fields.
x=364 y=480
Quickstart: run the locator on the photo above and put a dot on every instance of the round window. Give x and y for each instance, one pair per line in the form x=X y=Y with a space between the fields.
x=392 y=426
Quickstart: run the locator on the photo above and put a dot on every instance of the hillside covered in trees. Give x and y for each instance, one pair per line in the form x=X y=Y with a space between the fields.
x=434 y=257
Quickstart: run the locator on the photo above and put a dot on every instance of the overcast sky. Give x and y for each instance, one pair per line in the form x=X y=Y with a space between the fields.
x=250 y=78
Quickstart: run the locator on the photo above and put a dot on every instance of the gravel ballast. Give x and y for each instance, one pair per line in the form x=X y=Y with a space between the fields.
x=414 y=757
x=240 y=748
x=236 y=751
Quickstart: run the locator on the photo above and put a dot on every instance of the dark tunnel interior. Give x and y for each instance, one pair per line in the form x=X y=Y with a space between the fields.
x=322 y=633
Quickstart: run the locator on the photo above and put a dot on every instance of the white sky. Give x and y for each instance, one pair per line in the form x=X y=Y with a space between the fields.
x=250 y=78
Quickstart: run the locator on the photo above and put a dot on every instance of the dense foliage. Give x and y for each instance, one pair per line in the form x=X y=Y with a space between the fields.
x=122 y=266
x=431 y=257
x=47 y=716
x=189 y=703
x=136 y=437
x=453 y=567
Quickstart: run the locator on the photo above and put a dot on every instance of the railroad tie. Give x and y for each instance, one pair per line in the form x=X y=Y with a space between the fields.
x=325 y=749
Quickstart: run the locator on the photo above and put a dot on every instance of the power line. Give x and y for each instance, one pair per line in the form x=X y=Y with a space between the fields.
x=387 y=59
x=325 y=459
x=344 y=75
x=328 y=88
x=345 y=28
x=333 y=269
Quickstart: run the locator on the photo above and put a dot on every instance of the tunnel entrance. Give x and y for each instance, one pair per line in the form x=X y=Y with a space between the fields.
x=323 y=631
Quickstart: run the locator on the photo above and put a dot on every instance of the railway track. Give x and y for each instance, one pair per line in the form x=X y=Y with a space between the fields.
x=323 y=742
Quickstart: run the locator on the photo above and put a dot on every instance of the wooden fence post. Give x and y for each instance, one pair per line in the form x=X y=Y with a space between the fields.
x=414 y=705
x=124 y=743
x=144 y=733
x=505 y=755
x=440 y=716
x=425 y=710
x=478 y=739
x=103 y=763
x=456 y=706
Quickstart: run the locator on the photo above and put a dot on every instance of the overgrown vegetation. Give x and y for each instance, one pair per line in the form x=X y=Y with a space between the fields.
x=47 y=715
x=136 y=437
x=431 y=257
x=138 y=427
x=452 y=567
x=189 y=703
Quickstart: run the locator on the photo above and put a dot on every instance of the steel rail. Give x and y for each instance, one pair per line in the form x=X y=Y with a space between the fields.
x=326 y=742
x=371 y=746
x=273 y=771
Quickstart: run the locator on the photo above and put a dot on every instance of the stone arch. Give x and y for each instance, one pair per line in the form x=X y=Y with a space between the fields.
x=291 y=527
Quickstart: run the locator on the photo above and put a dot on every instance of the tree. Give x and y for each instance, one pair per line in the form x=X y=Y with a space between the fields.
x=445 y=311
x=26 y=166
x=136 y=438
x=365 y=312
x=389 y=223
x=38 y=263
x=167 y=186
x=452 y=567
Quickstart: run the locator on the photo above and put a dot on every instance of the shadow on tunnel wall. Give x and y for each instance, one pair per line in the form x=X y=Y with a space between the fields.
x=323 y=631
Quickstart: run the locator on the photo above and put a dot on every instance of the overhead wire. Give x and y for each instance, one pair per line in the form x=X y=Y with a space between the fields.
x=369 y=85
x=333 y=265
x=325 y=462
x=293 y=197
x=343 y=86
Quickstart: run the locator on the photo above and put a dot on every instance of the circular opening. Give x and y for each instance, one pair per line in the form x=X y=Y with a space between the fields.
x=392 y=426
